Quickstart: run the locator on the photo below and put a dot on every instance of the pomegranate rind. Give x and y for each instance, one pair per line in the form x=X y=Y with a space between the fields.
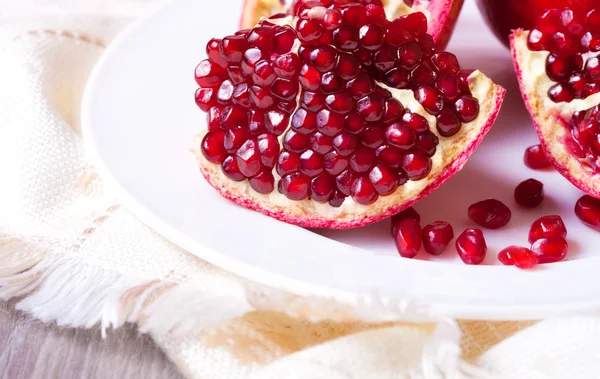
x=452 y=154
x=550 y=119
x=441 y=14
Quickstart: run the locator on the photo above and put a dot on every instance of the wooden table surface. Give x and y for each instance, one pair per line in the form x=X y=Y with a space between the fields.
x=30 y=350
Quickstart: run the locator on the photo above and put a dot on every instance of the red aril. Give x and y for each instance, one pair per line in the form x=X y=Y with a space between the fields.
x=408 y=238
x=490 y=213
x=519 y=256
x=547 y=226
x=408 y=213
x=471 y=246
x=437 y=236
x=551 y=249
x=535 y=158
x=441 y=15
x=587 y=209
x=316 y=138
x=529 y=193
x=559 y=78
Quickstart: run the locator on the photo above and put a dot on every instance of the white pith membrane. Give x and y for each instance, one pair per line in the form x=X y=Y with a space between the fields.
x=255 y=9
x=552 y=120
x=450 y=156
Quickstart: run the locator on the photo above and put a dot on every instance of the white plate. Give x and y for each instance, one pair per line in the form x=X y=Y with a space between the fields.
x=139 y=119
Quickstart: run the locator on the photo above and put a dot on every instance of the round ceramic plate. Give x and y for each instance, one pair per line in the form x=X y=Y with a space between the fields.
x=139 y=120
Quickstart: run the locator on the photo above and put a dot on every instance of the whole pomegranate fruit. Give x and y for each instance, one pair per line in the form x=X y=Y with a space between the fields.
x=503 y=16
x=337 y=117
x=441 y=14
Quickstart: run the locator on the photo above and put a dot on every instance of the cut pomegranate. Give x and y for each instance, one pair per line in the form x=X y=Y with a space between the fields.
x=559 y=77
x=408 y=238
x=490 y=213
x=535 y=158
x=587 y=209
x=441 y=15
x=547 y=226
x=529 y=193
x=471 y=246
x=437 y=236
x=521 y=257
x=408 y=213
x=302 y=98
x=551 y=249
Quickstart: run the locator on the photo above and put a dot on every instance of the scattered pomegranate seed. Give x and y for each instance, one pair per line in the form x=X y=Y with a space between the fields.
x=536 y=158
x=490 y=213
x=587 y=209
x=547 y=226
x=471 y=246
x=529 y=193
x=408 y=238
x=551 y=249
x=519 y=256
x=408 y=213
x=436 y=237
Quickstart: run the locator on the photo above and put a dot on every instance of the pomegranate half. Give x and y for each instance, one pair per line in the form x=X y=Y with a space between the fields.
x=559 y=75
x=337 y=117
x=441 y=14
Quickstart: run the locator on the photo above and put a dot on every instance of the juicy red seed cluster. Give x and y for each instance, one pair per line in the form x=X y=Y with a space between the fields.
x=409 y=237
x=567 y=35
x=547 y=236
x=585 y=132
x=304 y=101
x=519 y=256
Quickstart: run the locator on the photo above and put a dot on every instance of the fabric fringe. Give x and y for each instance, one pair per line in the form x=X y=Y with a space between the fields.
x=48 y=280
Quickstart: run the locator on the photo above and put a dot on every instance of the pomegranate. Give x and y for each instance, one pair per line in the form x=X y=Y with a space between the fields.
x=471 y=246
x=503 y=16
x=337 y=117
x=408 y=238
x=535 y=158
x=441 y=14
x=529 y=193
x=437 y=236
x=559 y=77
x=551 y=249
x=587 y=209
x=519 y=256
x=547 y=226
x=490 y=213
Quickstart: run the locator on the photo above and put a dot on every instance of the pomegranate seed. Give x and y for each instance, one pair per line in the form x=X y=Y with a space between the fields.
x=446 y=63
x=447 y=123
x=371 y=36
x=400 y=135
x=416 y=164
x=332 y=19
x=537 y=41
x=362 y=160
x=361 y=86
x=535 y=158
x=592 y=69
x=323 y=58
x=490 y=213
x=346 y=38
x=354 y=123
x=208 y=74
x=213 y=53
x=204 y=98
x=371 y=107
x=345 y=180
x=549 y=21
x=340 y=102
x=363 y=191
x=330 y=123
x=241 y=96
x=559 y=68
x=449 y=88
x=321 y=143
x=551 y=249
x=294 y=141
x=437 y=236
x=408 y=213
x=309 y=30
x=521 y=257
x=322 y=187
x=375 y=14
x=212 y=146
x=311 y=163
x=385 y=59
x=304 y=121
x=393 y=110
x=287 y=163
x=263 y=182
x=284 y=89
x=313 y=101
x=559 y=93
x=268 y=146
x=467 y=108
x=354 y=15
x=248 y=158
x=295 y=186
x=233 y=116
x=235 y=138
x=310 y=78
x=471 y=246
x=337 y=199
x=592 y=20
x=587 y=209
x=261 y=97
x=397 y=78
x=263 y=38
x=276 y=122
x=410 y=55
x=232 y=48
x=334 y=163
x=546 y=227
x=373 y=136
x=389 y=156
x=231 y=170
x=428 y=143
x=529 y=193
x=429 y=99
x=384 y=180
x=408 y=238
x=345 y=143
x=284 y=40
x=250 y=59
x=423 y=75
x=287 y=66
x=347 y=67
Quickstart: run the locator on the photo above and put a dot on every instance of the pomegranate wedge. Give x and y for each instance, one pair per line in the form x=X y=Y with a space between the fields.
x=326 y=120
x=441 y=14
x=559 y=76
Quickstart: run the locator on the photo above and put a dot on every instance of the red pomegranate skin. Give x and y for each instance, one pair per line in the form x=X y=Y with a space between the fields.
x=502 y=16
